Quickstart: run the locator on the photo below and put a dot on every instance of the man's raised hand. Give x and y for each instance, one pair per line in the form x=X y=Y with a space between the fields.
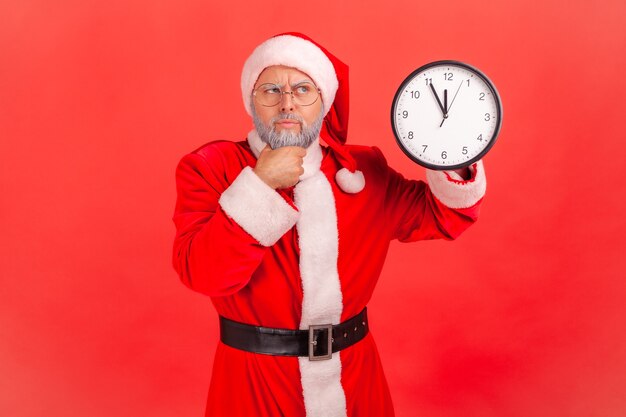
x=282 y=167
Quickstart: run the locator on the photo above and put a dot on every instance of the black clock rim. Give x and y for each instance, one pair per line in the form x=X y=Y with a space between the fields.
x=487 y=81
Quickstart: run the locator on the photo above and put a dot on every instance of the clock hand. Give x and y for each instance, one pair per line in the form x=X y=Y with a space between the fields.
x=443 y=111
x=453 y=98
x=445 y=105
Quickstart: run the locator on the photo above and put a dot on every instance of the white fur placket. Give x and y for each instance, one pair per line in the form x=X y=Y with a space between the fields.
x=322 y=298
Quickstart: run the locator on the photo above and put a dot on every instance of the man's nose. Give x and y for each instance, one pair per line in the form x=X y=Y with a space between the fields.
x=286 y=101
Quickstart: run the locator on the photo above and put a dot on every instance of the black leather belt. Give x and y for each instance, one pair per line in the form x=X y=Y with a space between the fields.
x=319 y=342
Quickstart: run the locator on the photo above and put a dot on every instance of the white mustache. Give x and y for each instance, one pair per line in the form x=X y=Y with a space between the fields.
x=286 y=116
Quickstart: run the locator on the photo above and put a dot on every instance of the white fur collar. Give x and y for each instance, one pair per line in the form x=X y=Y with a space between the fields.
x=312 y=160
x=322 y=299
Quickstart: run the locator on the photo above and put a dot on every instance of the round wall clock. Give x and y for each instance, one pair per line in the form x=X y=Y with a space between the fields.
x=446 y=115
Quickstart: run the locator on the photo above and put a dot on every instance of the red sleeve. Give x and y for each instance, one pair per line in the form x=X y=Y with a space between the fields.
x=416 y=209
x=223 y=227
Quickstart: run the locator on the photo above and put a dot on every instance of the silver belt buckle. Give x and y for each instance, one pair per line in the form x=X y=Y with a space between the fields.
x=313 y=342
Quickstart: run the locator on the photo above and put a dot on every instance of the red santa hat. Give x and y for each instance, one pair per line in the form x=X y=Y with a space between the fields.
x=331 y=77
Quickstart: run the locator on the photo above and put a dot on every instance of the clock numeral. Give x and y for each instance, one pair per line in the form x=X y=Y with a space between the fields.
x=448 y=76
x=410 y=135
x=424 y=146
x=444 y=155
x=464 y=151
x=487 y=117
x=480 y=137
x=429 y=81
x=467 y=82
x=405 y=114
x=415 y=94
x=481 y=97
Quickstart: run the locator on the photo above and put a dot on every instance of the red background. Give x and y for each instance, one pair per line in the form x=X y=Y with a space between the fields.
x=522 y=316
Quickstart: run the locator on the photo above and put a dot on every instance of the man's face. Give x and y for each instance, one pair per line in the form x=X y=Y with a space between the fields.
x=293 y=124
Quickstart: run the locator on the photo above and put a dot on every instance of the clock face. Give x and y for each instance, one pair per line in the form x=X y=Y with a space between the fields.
x=446 y=115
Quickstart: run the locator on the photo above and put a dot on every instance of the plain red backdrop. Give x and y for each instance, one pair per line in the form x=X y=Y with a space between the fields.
x=524 y=315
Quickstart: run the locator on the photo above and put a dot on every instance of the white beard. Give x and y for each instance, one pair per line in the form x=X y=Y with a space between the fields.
x=275 y=139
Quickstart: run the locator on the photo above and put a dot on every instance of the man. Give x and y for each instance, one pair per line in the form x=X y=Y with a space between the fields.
x=288 y=238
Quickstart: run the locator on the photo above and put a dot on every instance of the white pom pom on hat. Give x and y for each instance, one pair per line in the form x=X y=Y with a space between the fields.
x=331 y=77
x=350 y=182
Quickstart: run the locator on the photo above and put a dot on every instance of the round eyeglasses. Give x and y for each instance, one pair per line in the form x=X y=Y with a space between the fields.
x=302 y=94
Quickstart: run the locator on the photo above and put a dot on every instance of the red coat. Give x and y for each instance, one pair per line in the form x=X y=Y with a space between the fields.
x=311 y=254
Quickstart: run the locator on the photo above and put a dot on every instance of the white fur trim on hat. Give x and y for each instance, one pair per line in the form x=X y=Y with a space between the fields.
x=451 y=190
x=295 y=52
x=350 y=182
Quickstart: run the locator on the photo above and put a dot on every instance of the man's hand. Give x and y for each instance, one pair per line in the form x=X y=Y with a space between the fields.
x=464 y=173
x=282 y=167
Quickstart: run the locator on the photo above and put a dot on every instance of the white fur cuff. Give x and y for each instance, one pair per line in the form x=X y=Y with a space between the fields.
x=257 y=208
x=455 y=193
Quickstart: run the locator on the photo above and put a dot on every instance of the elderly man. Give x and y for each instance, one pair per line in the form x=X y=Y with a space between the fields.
x=288 y=238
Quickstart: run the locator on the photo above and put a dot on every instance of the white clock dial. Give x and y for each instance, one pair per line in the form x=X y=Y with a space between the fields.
x=446 y=115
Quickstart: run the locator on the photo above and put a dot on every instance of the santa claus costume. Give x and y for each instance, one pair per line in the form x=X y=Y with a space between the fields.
x=306 y=255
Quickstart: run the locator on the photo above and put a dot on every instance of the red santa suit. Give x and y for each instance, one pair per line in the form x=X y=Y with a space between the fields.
x=310 y=254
